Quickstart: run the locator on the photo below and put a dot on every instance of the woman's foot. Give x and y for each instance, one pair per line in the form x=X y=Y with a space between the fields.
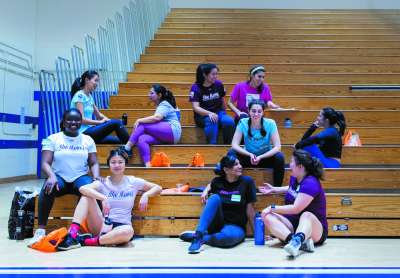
x=126 y=152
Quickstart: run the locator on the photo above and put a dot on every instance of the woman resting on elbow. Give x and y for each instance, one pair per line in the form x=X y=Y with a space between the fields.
x=117 y=195
x=258 y=133
x=302 y=220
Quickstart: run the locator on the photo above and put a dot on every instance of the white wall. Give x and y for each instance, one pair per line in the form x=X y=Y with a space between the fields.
x=17 y=29
x=63 y=23
x=287 y=4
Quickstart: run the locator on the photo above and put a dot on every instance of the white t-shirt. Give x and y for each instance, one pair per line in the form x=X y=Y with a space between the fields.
x=122 y=197
x=70 y=154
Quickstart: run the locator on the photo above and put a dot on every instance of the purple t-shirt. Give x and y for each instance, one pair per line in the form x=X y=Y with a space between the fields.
x=209 y=98
x=311 y=186
x=122 y=197
x=243 y=93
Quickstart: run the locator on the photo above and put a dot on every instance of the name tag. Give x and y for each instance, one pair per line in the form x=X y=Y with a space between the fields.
x=235 y=198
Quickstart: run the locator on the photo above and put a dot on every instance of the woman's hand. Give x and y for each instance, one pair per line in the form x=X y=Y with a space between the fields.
x=254 y=160
x=144 y=200
x=213 y=117
x=204 y=197
x=106 y=207
x=266 y=189
x=266 y=211
x=50 y=183
x=243 y=114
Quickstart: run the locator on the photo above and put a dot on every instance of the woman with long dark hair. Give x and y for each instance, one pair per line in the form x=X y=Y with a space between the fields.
x=161 y=128
x=301 y=222
x=226 y=212
x=254 y=88
x=326 y=145
x=101 y=127
x=207 y=98
x=258 y=133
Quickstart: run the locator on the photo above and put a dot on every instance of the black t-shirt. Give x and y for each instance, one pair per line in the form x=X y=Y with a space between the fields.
x=235 y=197
x=209 y=98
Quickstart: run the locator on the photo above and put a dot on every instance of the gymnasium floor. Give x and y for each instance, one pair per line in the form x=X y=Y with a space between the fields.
x=151 y=257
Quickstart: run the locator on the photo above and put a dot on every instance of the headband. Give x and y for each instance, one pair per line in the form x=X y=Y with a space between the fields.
x=257 y=69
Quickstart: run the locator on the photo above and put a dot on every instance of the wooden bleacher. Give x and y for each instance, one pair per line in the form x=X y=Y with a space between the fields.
x=312 y=57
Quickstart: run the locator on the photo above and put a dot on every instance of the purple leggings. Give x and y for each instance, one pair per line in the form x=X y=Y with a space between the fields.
x=150 y=134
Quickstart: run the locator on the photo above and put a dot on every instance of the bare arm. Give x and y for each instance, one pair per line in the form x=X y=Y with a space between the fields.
x=94 y=165
x=272 y=105
x=86 y=121
x=199 y=110
x=51 y=181
x=250 y=214
x=237 y=138
x=276 y=141
x=301 y=202
x=150 y=189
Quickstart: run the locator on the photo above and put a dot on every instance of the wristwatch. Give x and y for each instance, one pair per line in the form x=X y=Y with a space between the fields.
x=272 y=206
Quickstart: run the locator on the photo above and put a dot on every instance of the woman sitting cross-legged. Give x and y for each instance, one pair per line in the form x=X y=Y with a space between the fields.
x=224 y=217
x=259 y=133
x=301 y=222
x=161 y=128
x=117 y=195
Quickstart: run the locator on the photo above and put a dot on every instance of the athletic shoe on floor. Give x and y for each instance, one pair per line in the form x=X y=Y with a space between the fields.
x=39 y=234
x=197 y=243
x=308 y=245
x=187 y=236
x=68 y=243
x=293 y=246
x=81 y=238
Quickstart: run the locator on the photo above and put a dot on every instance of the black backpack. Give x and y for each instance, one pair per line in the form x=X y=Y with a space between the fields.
x=24 y=199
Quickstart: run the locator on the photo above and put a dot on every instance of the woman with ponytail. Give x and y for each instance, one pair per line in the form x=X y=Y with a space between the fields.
x=259 y=133
x=301 y=222
x=101 y=127
x=326 y=145
x=224 y=217
x=254 y=88
x=161 y=128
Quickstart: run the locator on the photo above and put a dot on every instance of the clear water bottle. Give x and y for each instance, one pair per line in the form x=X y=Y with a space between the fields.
x=287 y=123
x=19 y=229
x=107 y=226
x=124 y=119
x=259 y=230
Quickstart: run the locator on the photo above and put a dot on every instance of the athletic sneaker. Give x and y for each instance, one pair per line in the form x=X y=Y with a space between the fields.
x=68 y=243
x=81 y=238
x=39 y=234
x=187 y=236
x=308 y=245
x=129 y=153
x=293 y=246
x=197 y=243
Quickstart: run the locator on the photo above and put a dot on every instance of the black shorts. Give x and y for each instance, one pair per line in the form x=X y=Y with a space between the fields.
x=294 y=219
x=117 y=224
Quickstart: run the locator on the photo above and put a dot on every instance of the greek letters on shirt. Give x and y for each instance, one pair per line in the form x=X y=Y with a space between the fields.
x=211 y=96
x=120 y=194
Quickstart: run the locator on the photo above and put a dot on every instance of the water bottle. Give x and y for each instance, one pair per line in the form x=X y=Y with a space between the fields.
x=178 y=114
x=288 y=123
x=19 y=229
x=124 y=119
x=259 y=230
x=107 y=226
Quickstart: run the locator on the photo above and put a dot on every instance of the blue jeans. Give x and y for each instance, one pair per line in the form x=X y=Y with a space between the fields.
x=226 y=123
x=101 y=133
x=326 y=161
x=216 y=232
x=46 y=201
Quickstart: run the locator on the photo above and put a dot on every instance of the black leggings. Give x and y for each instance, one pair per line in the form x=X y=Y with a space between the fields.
x=100 y=133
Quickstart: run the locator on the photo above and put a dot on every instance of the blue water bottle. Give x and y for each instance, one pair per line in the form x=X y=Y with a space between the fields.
x=259 y=230
x=287 y=123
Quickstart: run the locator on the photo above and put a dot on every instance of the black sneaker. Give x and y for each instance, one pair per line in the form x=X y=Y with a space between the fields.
x=82 y=237
x=187 y=236
x=197 y=243
x=127 y=154
x=68 y=243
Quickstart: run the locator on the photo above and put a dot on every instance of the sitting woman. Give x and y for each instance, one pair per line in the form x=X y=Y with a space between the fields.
x=101 y=127
x=161 y=128
x=223 y=220
x=207 y=98
x=258 y=133
x=329 y=140
x=254 y=88
x=302 y=220
x=66 y=158
x=117 y=195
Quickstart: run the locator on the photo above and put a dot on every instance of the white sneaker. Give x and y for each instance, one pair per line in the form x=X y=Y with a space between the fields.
x=308 y=245
x=39 y=234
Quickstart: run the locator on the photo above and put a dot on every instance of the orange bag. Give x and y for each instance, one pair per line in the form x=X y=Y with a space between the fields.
x=160 y=159
x=197 y=161
x=352 y=139
x=50 y=242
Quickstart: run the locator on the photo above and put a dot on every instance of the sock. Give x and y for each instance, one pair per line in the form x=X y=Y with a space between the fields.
x=127 y=148
x=288 y=238
x=74 y=229
x=302 y=236
x=92 y=241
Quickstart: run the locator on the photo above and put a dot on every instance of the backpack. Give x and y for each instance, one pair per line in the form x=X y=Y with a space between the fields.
x=352 y=139
x=197 y=161
x=50 y=242
x=160 y=159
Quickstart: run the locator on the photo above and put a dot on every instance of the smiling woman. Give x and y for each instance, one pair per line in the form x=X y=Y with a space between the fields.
x=66 y=158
